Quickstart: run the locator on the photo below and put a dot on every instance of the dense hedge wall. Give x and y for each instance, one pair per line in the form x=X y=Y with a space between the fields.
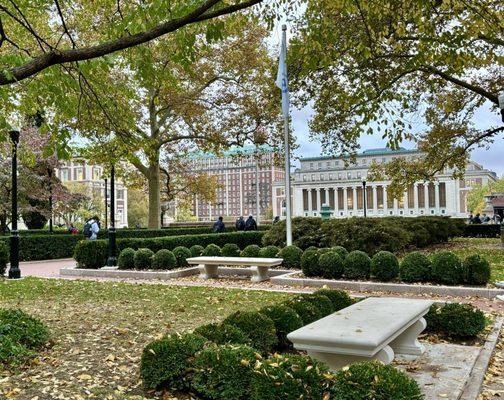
x=45 y=247
x=93 y=254
x=482 y=230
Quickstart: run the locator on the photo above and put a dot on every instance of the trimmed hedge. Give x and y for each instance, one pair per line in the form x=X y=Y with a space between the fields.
x=310 y=263
x=476 y=270
x=331 y=265
x=286 y=320
x=182 y=253
x=143 y=258
x=196 y=250
x=252 y=250
x=384 y=266
x=4 y=257
x=269 y=252
x=447 y=268
x=126 y=259
x=45 y=247
x=357 y=265
x=482 y=230
x=222 y=334
x=163 y=259
x=339 y=298
x=230 y=250
x=305 y=309
x=415 y=267
x=212 y=250
x=322 y=302
x=259 y=329
x=455 y=319
x=291 y=256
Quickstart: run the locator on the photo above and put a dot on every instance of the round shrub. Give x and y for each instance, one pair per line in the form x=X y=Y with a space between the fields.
x=252 y=250
x=269 y=252
x=291 y=256
x=331 y=265
x=384 y=266
x=212 y=250
x=455 y=319
x=126 y=259
x=143 y=258
x=181 y=254
x=357 y=265
x=415 y=267
x=224 y=372
x=164 y=259
x=446 y=268
x=310 y=263
x=343 y=253
x=12 y=353
x=231 y=250
x=339 y=298
x=23 y=329
x=290 y=377
x=285 y=319
x=259 y=329
x=165 y=362
x=305 y=309
x=476 y=270
x=4 y=257
x=222 y=334
x=373 y=380
x=323 y=303
x=196 y=250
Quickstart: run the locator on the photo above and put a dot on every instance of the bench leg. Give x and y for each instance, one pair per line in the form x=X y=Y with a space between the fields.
x=338 y=361
x=407 y=342
x=209 y=271
x=259 y=274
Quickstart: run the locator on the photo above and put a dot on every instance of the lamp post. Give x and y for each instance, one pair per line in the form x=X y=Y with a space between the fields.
x=106 y=205
x=50 y=173
x=14 y=271
x=112 y=260
x=364 y=197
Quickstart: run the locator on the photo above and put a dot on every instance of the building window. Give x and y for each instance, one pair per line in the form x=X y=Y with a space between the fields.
x=313 y=177
x=79 y=174
x=339 y=175
x=311 y=165
x=120 y=194
x=359 y=175
x=304 y=178
x=442 y=194
x=319 y=165
x=96 y=173
x=328 y=163
x=64 y=175
x=321 y=177
x=349 y=175
x=330 y=177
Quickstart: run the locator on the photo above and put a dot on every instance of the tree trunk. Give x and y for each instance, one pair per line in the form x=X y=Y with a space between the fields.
x=154 y=196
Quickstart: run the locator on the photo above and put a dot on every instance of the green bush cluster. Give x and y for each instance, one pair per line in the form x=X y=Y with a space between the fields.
x=269 y=252
x=251 y=250
x=476 y=270
x=260 y=329
x=212 y=250
x=126 y=259
x=415 y=267
x=4 y=258
x=446 y=268
x=291 y=256
x=339 y=298
x=181 y=254
x=357 y=265
x=163 y=259
x=384 y=266
x=455 y=319
x=310 y=262
x=286 y=320
x=231 y=250
x=222 y=334
x=320 y=301
x=196 y=250
x=143 y=258
x=331 y=265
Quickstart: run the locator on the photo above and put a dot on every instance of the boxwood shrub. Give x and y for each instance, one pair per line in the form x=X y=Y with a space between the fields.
x=384 y=266
x=165 y=362
x=285 y=319
x=91 y=254
x=4 y=258
x=182 y=253
x=231 y=250
x=323 y=303
x=342 y=252
x=212 y=250
x=126 y=259
x=357 y=265
x=164 y=259
x=143 y=258
x=447 y=268
x=310 y=263
x=196 y=250
x=252 y=250
x=291 y=256
x=259 y=329
x=455 y=319
x=305 y=309
x=476 y=270
x=222 y=334
x=331 y=265
x=269 y=252
x=415 y=267
x=339 y=298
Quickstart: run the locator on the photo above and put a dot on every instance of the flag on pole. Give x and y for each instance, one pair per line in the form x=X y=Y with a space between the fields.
x=282 y=81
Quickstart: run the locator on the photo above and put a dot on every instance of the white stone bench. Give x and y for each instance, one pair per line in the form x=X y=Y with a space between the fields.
x=259 y=266
x=372 y=329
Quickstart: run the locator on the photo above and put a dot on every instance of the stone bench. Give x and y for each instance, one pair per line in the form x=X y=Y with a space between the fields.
x=372 y=329
x=259 y=266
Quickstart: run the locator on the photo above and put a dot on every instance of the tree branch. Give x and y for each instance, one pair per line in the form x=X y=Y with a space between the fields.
x=63 y=23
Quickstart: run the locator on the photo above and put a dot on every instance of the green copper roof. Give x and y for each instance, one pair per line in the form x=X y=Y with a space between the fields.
x=370 y=152
x=234 y=151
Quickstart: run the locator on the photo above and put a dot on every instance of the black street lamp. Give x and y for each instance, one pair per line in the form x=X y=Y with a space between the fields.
x=14 y=271
x=112 y=260
x=364 y=197
x=50 y=173
x=106 y=205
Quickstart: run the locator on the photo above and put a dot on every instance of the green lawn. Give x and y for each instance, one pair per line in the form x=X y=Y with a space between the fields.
x=100 y=328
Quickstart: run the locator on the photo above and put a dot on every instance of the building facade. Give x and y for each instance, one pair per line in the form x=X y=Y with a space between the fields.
x=245 y=177
x=81 y=172
x=327 y=180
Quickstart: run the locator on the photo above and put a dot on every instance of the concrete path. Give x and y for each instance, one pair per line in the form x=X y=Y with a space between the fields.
x=46 y=268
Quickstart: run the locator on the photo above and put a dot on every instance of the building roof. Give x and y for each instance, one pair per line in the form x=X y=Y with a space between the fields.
x=233 y=151
x=370 y=152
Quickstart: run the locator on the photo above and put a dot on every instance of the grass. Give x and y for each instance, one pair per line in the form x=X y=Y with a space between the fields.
x=100 y=328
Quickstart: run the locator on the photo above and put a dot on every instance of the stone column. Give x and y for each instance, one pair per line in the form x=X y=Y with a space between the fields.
x=318 y=200
x=385 y=200
x=310 y=200
x=436 y=196
x=426 y=198
x=327 y=196
x=196 y=206
x=336 y=201
x=354 y=200
x=396 y=207
x=405 y=202
x=415 y=200
x=345 y=201
x=375 y=200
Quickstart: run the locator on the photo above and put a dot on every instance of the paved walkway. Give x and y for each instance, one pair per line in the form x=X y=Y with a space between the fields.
x=46 y=268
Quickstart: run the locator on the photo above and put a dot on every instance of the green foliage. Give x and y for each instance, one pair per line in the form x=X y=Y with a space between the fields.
x=343 y=253
x=163 y=259
x=286 y=320
x=182 y=253
x=455 y=319
x=339 y=298
x=45 y=247
x=310 y=263
x=357 y=265
x=269 y=252
x=231 y=250
x=374 y=381
x=305 y=309
x=290 y=377
x=126 y=259
x=447 y=268
x=224 y=372
x=196 y=250
x=291 y=256
x=251 y=250
x=165 y=362
x=415 y=267
x=143 y=258
x=4 y=257
x=91 y=254
x=222 y=334
x=331 y=265
x=305 y=233
x=476 y=270
x=384 y=266
x=322 y=302
x=212 y=250
x=259 y=329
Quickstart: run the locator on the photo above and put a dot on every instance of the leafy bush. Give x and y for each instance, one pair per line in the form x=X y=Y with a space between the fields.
x=339 y=298
x=196 y=250
x=455 y=319
x=285 y=319
x=222 y=334
x=310 y=263
x=305 y=309
x=4 y=258
x=447 y=268
x=126 y=259
x=305 y=233
x=331 y=265
x=165 y=362
x=269 y=252
x=164 y=259
x=323 y=303
x=290 y=377
x=415 y=267
x=143 y=258
x=91 y=254
x=181 y=254
x=357 y=265
x=343 y=253
x=251 y=251
x=224 y=372
x=291 y=256
x=384 y=266
x=476 y=270
x=212 y=250
x=373 y=380
x=231 y=250
x=259 y=329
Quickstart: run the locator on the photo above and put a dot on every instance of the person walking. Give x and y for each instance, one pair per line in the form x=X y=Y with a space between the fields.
x=91 y=228
x=251 y=224
x=277 y=219
x=219 y=226
x=240 y=224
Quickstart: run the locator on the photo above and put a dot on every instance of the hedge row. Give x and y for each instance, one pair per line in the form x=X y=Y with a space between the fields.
x=93 y=254
x=45 y=247
x=482 y=230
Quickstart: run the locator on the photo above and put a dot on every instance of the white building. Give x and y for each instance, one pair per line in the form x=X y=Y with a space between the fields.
x=326 y=180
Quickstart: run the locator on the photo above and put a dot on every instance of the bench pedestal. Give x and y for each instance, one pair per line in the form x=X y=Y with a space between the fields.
x=209 y=271
x=407 y=342
x=260 y=273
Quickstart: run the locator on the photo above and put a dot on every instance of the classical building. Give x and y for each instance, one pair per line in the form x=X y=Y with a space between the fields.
x=244 y=174
x=326 y=180
x=80 y=171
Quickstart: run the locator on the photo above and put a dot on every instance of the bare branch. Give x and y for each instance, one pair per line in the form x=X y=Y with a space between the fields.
x=63 y=23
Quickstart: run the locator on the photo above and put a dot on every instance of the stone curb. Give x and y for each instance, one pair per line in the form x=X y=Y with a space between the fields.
x=457 y=291
x=472 y=387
